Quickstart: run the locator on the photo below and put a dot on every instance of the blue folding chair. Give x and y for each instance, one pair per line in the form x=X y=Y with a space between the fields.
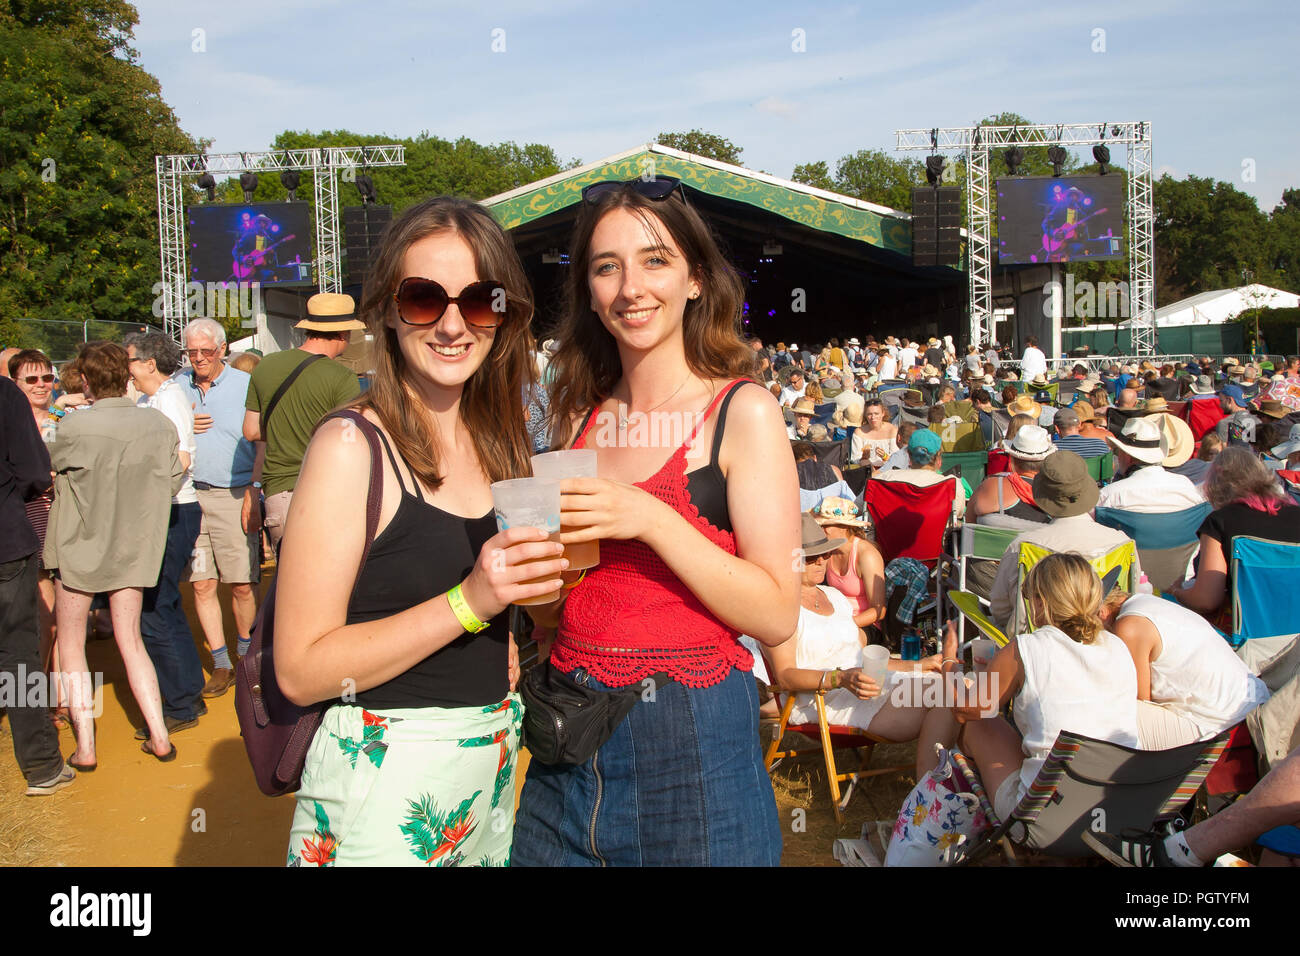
x=1265 y=599
x=1165 y=542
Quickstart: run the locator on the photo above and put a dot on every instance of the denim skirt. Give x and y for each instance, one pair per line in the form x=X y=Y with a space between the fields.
x=680 y=783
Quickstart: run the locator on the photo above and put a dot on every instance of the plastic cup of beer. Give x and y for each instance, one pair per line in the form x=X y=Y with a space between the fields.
x=571 y=463
x=529 y=503
x=875 y=663
x=982 y=652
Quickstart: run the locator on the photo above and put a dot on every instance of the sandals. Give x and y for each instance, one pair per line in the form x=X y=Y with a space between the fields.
x=165 y=758
x=82 y=767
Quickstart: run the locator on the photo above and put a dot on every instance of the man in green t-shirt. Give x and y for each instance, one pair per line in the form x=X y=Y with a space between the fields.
x=319 y=388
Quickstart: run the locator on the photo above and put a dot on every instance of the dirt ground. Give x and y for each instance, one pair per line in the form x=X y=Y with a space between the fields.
x=205 y=809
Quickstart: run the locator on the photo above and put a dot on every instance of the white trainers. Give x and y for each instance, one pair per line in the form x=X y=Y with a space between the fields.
x=64 y=779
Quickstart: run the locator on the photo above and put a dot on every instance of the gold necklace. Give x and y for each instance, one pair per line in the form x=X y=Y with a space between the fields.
x=623 y=419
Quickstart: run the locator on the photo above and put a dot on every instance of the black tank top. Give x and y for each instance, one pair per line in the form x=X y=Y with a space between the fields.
x=424 y=552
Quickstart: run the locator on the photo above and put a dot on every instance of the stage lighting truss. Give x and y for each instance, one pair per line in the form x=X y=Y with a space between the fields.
x=978 y=141
x=325 y=166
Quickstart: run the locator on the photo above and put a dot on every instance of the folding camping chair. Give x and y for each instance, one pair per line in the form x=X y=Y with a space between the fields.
x=910 y=522
x=1165 y=542
x=973 y=464
x=980 y=543
x=832 y=737
x=1265 y=599
x=1115 y=568
x=1201 y=415
x=1102 y=468
x=962 y=439
x=1131 y=789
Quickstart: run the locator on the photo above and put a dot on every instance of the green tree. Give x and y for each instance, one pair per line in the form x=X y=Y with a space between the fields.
x=814 y=174
x=1284 y=241
x=700 y=143
x=82 y=124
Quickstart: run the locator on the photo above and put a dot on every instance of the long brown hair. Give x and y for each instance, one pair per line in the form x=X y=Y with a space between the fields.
x=587 y=365
x=491 y=405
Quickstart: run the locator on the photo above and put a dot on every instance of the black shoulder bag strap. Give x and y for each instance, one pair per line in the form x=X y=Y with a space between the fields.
x=284 y=387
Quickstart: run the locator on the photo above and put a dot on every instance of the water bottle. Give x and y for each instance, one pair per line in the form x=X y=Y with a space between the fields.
x=1144 y=586
x=911 y=649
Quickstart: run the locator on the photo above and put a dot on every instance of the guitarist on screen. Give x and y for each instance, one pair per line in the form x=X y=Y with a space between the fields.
x=254 y=253
x=1066 y=222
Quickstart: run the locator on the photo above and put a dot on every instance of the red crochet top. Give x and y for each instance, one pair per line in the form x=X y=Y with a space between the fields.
x=631 y=617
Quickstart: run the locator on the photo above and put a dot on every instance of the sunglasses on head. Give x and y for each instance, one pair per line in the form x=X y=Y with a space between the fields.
x=657 y=189
x=47 y=378
x=424 y=302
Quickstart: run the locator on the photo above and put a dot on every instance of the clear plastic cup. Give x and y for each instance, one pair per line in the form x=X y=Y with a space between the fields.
x=982 y=652
x=875 y=663
x=571 y=463
x=529 y=503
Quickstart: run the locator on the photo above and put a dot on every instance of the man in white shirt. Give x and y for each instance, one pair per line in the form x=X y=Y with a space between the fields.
x=153 y=359
x=1033 y=362
x=794 y=391
x=1146 y=487
x=906 y=357
x=1064 y=490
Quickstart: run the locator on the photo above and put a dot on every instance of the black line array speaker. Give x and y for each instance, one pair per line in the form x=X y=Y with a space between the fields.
x=936 y=226
x=363 y=231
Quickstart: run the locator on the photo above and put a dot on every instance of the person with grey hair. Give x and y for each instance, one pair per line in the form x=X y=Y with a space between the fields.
x=226 y=477
x=152 y=359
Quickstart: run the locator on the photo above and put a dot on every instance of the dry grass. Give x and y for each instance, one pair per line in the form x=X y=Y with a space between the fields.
x=31 y=828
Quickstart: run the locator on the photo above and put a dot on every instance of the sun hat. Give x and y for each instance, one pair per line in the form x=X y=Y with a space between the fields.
x=813 y=541
x=1032 y=443
x=1024 y=405
x=1178 y=436
x=1156 y=403
x=331 y=312
x=840 y=511
x=1084 y=410
x=1204 y=385
x=1236 y=370
x=793 y=345
x=818 y=433
x=1273 y=409
x=850 y=416
x=1063 y=488
x=929 y=371
x=1039 y=381
x=854 y=341
x=988 y=381
x=805 y=406
x=913 y=398
x=1143 y=439
x=1290 y=446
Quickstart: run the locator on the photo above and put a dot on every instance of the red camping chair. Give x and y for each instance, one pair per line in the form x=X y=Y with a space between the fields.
x=1201 y=416
x=832 y=737
x=911 y=522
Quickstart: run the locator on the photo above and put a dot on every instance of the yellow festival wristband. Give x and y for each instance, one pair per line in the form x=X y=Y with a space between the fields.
x=460 y=607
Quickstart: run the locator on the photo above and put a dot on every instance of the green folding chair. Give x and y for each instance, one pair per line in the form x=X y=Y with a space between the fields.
x=973 y=464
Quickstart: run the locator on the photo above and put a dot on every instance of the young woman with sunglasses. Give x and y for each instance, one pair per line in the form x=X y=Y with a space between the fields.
x=414 y=761
x=699 y=524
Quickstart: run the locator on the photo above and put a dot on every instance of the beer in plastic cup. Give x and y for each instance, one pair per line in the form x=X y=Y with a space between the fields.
x=875 y=664
x=529 y=503
x=982 y=652
x=571 y=463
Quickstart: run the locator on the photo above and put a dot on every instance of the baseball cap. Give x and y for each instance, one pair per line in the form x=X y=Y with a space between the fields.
x=924 y=438
x=1235 y=393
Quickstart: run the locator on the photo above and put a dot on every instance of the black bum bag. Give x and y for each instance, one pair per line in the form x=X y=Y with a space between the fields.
x=566 y=722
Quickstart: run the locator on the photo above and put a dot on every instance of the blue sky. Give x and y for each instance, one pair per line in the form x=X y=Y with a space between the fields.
x=1217 y=81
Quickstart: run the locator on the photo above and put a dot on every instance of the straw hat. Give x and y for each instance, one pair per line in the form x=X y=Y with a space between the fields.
x=1063 y=488
x=1178 y=437
x=1085 y=411
x=929 y=371
x=1156 y=404
x=1143 y=439
x=331 y=312
x=1039 y=381
x=1024 y=405
x=1273 y=409
x=840 y=511
x=1032 y=443
x=813 y=541
x=805 y=406
x=818 y=433
x=854 y=341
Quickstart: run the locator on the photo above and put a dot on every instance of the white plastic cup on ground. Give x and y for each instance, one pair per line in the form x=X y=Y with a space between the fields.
x=875 y=664
x=571 y=463
x=529 y=503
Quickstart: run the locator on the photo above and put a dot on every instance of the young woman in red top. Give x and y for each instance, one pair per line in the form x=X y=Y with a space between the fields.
x=697 y=510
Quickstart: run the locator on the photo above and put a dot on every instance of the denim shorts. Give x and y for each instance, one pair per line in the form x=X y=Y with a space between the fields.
x=680 y=783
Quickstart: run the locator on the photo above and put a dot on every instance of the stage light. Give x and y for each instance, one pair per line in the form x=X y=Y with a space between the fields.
x=366 y=186
x=1013 y=157
x=1057 y=156
x=1101 y=153
x=208 y=184
x=248 y=183
x=934 y=169
x=290 y=179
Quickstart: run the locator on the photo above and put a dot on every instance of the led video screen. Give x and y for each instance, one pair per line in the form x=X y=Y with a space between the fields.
x=1060 y=219
x=268 y=243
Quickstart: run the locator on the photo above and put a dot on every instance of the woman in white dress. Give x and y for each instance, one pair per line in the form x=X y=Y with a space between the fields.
x=877 y=439
x=825 y=653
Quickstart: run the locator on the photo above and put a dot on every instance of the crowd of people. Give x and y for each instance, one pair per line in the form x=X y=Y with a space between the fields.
x=141 y=466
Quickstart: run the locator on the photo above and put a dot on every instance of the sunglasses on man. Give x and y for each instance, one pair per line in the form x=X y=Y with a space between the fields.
x=423 y=301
